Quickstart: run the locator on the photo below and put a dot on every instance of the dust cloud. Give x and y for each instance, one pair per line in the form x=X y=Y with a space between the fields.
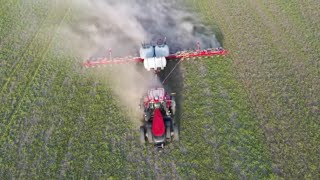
x=122 y=25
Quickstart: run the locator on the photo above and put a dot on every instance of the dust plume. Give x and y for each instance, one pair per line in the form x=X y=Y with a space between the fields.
x=123 y=25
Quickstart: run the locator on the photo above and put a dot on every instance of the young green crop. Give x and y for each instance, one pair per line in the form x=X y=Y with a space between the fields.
x=252 y=114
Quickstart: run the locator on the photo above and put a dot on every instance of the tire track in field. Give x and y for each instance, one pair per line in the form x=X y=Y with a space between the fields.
x=306 y=81
x=25 y=140
x=19 y=62
x=213 y=121
x=144 y=161
x=215 y=133
x=267 y=106
x=229 y=17
x=292 y=45
x=34 y=73
x=202 y=119
x=224 y=19
x=225 y=15
x=233 y=124
x=26 y=154
x=285 y=48
x=297 y=25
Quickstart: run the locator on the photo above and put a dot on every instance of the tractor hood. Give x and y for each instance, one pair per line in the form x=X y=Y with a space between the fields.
x=158 y=127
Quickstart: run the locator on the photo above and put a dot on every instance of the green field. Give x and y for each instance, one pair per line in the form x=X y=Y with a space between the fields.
x=254 y=114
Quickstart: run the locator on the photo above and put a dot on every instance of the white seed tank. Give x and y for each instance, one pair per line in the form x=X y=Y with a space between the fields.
x=154 y=56
x=146 y=51
x=155 y=63
x=161 y=50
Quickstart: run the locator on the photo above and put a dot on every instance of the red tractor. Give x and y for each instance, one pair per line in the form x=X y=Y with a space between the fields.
x=159 y=126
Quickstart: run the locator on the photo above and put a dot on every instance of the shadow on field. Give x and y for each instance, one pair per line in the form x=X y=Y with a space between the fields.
x=174 y=84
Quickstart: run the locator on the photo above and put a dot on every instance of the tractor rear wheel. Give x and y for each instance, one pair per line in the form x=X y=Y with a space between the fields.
x=149 y=134
x=142 y=135
x=168 y=130
x=176 y=132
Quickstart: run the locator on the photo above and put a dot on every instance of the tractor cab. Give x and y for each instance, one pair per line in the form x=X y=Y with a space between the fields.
x=157 y=98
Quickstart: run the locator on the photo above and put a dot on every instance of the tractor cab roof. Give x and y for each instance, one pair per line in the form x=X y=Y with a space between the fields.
x=156 y=94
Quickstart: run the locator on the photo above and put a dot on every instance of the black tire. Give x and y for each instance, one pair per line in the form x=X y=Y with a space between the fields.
x=149 y=134
x=168 y=130
x=142 y=135
x=176 y=133
x=147 y=116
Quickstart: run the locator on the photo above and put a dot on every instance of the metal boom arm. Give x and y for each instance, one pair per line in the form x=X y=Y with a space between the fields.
x=178 y=55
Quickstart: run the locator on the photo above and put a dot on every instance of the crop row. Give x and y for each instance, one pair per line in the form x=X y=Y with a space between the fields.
x=223 y=137
x=20 y=81
x=22 y=24
x=5 y=15
x=30 y=63
x=279 y=79
x=65 y=125
x=61 y=129
x=53 y=122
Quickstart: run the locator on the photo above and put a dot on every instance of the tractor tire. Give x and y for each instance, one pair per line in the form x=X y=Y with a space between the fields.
x=142 y=135
x=149 y=134
x=168 y=130
x=147 y=116
x=176 y=133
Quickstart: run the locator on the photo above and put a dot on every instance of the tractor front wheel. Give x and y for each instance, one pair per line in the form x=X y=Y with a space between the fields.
x=149 y=134
x=168 y=130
